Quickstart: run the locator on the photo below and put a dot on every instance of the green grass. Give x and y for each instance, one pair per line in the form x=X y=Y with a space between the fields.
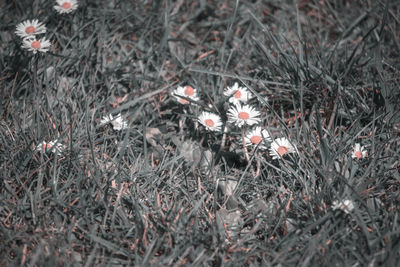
x=325 y=74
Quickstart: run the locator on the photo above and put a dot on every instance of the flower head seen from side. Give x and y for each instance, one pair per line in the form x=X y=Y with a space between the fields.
x=34 y=45
x=345 y=205
x=30 y=28
x=186 y=91
x=237 y=94
x=359 y=152
x=211 y=121
x=117 y=122
x=66 y=6
x=51 y=146
x=243 y=115
x=280 y=147
x=257 y=137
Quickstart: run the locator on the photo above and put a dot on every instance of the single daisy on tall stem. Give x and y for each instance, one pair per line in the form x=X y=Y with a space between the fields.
x=240 y=116
x=35 y=45
x=30 y=28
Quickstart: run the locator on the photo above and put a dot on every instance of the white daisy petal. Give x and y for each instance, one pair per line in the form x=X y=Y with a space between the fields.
x=243 y=115
x=106 y=119
x=31 y=44
x=237 y=94
x=281 y=147
x=186 y=91
x=211 y=121
x=359 y=152
x=119 y=123
x=66 y=6
x=346 y=205
x=30 y=28
x=257 y=137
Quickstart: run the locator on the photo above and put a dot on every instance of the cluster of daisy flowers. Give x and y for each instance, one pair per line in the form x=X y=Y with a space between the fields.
x=30 y=30
x=240 y=114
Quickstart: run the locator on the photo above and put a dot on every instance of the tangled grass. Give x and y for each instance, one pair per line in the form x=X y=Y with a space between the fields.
x=163 y=190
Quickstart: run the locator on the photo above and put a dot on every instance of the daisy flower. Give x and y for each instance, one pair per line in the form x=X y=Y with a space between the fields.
x=118 y=122
x=66 y=6
x=280 y=147
x=211 y=121
x=30 y=28
x=359 y=152
x=237 y=94
x=241 y=115
x=257 y=137
x=186 y=91
x=31 y=44
x=51 y=146
x=346 y=205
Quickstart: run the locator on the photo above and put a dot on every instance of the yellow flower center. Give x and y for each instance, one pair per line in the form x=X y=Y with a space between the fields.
x=66 y=5
x=30 y=29
x=189 y=90
x=282 y=150
x=244 y=115
x=35 y=44
x=255 y=139
x=237 y=94
x=358 y=154
x=209 y=122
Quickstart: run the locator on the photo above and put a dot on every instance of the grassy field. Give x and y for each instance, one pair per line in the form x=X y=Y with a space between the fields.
x=158 y=186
